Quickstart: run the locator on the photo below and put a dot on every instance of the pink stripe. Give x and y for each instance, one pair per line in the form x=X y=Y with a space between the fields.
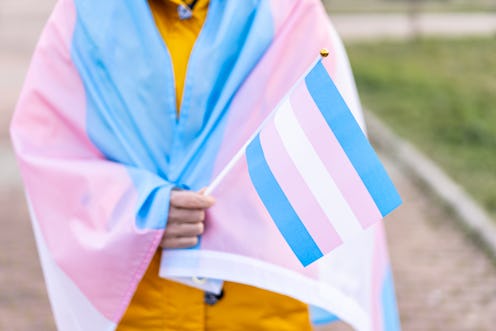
x=297 y=191
x=280 y=13
x=91 y=235
x=331 y=65
x=333 y=156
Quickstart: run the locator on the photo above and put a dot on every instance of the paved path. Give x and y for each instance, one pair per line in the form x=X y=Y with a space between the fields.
x=359 y=27
x=443 y=281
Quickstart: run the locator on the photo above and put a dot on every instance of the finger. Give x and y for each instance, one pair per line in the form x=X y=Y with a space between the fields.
x=183 y=230
x=179 y=242
x=190 y=200
x=182 y=215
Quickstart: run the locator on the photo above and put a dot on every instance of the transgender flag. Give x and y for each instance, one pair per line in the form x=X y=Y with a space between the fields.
x=98 y=172
x=315 y=172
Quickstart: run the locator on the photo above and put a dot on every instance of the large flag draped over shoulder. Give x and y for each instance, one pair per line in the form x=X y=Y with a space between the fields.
x=99 y=148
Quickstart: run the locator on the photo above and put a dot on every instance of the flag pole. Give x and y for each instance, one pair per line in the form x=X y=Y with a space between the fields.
x=323 y=53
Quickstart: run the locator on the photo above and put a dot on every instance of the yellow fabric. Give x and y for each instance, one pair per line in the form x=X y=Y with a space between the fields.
x=179 y=35
x=162 y=305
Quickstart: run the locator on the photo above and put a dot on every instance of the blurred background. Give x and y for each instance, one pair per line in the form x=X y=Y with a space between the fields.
x=426 y=73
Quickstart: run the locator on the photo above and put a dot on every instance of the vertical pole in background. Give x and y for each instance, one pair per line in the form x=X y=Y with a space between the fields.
x=414 y=17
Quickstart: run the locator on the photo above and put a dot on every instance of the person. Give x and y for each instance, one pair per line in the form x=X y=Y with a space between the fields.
x=126 y=115
x=161 y=304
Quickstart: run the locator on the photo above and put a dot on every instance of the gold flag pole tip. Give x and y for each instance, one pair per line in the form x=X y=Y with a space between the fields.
x=324 y=52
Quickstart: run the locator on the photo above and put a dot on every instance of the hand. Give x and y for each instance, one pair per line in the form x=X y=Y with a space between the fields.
x=186 y=218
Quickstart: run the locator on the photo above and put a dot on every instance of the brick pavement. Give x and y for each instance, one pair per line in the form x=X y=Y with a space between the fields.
x=443 y=281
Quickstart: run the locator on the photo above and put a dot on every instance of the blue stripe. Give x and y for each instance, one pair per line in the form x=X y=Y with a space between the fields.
x=352 y=139
x=389 y=307
x=319 y=316
x=278 y=206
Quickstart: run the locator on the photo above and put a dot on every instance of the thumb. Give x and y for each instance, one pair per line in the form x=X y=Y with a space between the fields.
x=202 y=192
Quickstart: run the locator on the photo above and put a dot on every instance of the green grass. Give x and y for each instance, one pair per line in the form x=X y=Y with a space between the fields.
x=441 y=95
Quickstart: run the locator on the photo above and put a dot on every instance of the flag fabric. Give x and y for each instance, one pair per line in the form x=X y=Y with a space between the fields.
x=315 y=172
x=99 y=148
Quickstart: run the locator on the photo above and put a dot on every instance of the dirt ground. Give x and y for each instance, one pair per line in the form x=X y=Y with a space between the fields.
x=443 y=281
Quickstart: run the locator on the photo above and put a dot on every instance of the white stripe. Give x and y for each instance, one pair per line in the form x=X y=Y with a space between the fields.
x=71 y=309
x=314 y=173
x=246 y=270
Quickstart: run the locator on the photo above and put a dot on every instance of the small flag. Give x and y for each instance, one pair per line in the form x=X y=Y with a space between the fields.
x=315 y=171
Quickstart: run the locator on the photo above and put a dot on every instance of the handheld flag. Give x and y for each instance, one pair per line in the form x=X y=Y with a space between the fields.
x=315 y=171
